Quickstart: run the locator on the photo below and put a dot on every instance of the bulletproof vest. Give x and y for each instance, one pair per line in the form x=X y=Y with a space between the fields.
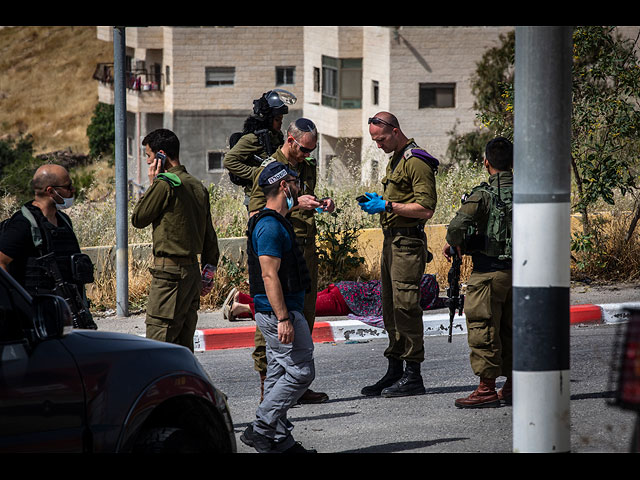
x=497 y=235
x=293 y=273
x=61 y=240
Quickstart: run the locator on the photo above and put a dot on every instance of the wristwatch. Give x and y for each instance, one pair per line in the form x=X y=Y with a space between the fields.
x=388 y=207
x=283 y=320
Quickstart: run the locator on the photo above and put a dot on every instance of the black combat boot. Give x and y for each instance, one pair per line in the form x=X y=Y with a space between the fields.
x=409 y=384
x=394 y=373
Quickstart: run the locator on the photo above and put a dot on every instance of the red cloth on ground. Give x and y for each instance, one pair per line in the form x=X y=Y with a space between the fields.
x=331 y=303
x=328 y=303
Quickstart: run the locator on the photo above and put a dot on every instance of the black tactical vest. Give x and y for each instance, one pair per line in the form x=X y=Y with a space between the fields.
x=62 y=241
x=293 y=273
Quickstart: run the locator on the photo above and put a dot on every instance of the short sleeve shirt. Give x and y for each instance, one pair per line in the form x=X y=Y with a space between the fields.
x=272 y=239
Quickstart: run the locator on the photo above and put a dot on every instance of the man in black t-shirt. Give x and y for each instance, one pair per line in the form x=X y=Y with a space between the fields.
x=22 y=258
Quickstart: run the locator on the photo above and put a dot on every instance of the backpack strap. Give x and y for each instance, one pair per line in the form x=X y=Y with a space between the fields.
x=36 y=233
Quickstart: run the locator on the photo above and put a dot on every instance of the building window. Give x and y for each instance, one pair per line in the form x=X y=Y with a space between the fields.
x=342 y=82
x=285 y=75
x=167 y=74
x=437 y=95
x=214 y=161
x=218 y=76
x=375 y=92
x=316 y=79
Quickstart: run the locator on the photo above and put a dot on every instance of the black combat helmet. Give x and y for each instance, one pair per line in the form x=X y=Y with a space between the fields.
x=274 y=102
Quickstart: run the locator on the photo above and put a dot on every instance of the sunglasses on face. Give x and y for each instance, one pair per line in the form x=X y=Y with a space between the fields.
x=294 y=180
x=303 y=149
x=379 y=121
x=66 y=187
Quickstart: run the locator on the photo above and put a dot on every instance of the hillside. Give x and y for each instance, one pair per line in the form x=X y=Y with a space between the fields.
x=46 y=84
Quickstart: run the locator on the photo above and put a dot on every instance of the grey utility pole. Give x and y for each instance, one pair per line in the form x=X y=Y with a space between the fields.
x=541 y=239
x=122 y=233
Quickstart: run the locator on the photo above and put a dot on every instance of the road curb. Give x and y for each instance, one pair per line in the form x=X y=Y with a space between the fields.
x=352 y=330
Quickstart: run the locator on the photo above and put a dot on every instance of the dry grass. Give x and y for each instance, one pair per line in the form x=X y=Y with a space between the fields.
x=46 y=85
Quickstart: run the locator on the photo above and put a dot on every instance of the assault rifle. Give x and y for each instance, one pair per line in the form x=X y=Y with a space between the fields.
x=456 y=300
x=80 y=313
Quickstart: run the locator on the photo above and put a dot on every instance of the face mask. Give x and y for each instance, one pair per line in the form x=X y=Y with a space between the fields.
x=291 y=202
x=67 y=202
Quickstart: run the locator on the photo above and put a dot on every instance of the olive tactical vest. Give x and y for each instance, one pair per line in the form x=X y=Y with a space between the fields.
x=498 y=232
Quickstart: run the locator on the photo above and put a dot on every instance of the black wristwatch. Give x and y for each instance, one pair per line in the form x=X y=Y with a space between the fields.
x=283 y=320
x=388 y=207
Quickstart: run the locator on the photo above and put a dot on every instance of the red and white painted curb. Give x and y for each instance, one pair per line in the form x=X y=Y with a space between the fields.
x=352 y=330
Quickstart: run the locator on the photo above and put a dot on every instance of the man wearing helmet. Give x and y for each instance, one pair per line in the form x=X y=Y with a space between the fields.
x=260 y=137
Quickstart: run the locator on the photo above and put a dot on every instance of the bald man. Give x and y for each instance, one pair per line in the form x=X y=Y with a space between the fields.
x=408 y=201
x=21 y=257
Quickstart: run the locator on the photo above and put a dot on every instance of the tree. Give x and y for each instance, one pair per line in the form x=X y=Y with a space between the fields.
x=101 y=131
x=605 y=120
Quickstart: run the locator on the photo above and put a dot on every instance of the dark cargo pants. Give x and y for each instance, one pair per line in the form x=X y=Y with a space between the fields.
x=403 y=262
x=488 y=310
x=174 y=300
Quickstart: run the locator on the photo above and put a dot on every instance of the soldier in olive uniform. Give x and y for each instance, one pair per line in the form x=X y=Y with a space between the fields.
x=261 y=136
x=482 y=229
x=301 y=140
x=177 y=205
x=409 y=200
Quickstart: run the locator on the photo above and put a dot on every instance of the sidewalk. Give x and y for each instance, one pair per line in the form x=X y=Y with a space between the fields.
x=216 y=333
x=346 y=329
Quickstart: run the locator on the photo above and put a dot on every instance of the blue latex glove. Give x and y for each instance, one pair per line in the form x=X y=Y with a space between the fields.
x=375 y=205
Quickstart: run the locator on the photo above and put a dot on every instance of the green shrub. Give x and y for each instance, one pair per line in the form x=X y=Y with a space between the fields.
x=101 y=131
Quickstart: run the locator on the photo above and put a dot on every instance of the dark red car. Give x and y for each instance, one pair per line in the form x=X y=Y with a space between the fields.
x=64 y=390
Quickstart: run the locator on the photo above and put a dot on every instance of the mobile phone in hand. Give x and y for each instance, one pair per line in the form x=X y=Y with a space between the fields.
x=161 y=157
x=362 y=199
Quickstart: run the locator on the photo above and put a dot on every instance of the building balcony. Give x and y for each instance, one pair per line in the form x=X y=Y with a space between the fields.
x=135 y=80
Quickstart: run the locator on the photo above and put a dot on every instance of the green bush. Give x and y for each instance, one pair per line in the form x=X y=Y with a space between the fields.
x=101 y=131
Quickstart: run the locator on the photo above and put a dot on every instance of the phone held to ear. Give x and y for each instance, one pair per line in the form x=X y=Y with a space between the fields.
x=162 y=158
x=362 y=199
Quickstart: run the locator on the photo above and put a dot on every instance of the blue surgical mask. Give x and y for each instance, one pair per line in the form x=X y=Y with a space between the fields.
x=67 y=202
x=290 y=201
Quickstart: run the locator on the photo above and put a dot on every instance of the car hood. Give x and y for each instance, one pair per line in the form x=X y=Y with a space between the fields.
x=122 y=366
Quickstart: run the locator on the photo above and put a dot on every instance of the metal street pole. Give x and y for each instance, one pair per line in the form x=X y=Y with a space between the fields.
x=122 y=237
x=541 y=239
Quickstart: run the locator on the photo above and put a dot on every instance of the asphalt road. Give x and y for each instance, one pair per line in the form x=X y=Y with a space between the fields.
x=430 y=423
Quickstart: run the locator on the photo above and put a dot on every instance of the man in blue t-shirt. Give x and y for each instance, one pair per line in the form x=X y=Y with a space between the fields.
x=278 y=279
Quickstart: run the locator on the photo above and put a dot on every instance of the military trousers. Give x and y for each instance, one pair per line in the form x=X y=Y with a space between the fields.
x=290 y=371
x=488 y=310
x=402 y=264
x=308 y=247
x=174 y=300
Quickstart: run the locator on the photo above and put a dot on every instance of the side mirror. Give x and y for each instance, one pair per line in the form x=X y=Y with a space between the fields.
x=52 y=317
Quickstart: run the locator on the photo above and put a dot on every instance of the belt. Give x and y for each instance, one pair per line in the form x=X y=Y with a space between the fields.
x=417 y=231
x=175 y=261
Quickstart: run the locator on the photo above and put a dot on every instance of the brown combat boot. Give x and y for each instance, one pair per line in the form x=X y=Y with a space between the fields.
x=505 y=394
x=484 y=396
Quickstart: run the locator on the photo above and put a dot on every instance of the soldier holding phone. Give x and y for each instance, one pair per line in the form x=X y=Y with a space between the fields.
x=177 y=205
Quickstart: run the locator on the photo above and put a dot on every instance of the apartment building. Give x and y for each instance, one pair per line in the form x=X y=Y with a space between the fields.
x=201 y=82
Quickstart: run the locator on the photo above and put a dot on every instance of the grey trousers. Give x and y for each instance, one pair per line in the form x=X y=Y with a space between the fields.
x=290 y=371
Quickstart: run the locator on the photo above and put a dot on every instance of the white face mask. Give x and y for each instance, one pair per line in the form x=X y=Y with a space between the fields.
x=67 y=202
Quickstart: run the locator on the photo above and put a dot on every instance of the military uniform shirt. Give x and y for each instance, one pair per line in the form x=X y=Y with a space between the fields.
x=180 y=216
x=408 y=180
x=475 y=211
x=303 y=221
x=240 y=160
